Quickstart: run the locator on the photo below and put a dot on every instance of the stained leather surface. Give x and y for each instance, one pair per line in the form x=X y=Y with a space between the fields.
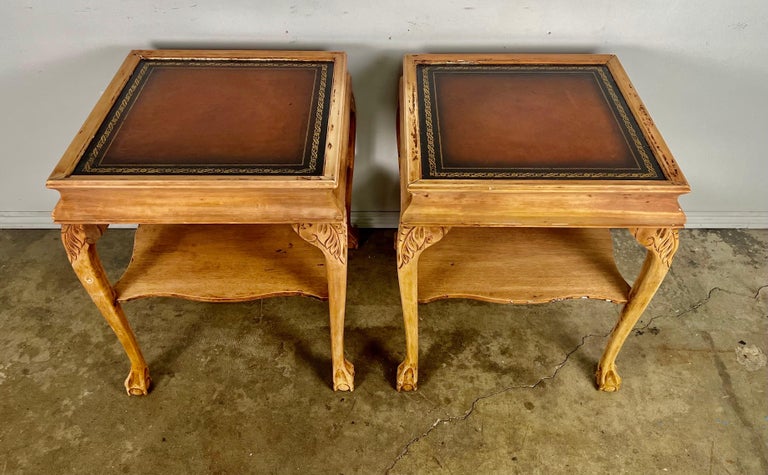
x=217 y=116
x=528 y=122
x=213 y=117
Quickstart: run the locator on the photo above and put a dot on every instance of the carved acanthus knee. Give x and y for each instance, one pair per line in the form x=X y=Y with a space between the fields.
x=77 y=237
x=413 y=240
x=663 y=242
x=331 y=238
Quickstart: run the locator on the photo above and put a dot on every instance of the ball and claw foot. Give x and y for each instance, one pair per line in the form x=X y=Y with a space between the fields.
x=138 y=382
x=407 y=376
x=608 y=379
x=344 y=378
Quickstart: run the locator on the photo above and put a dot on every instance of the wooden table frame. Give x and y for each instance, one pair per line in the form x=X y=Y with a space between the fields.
x=316 y=207
x=434 y=209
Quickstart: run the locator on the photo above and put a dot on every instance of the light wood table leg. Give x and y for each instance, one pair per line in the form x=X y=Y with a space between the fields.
x=661 y=245
x=411 y=242
x=80 y=243
x=331 y=238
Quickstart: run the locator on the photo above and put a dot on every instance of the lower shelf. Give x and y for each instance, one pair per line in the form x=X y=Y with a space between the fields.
x=521 y=265
x=218 y=263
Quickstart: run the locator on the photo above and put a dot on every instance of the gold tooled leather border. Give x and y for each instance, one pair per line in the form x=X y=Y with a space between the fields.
x=430 y=128
x=90 y=163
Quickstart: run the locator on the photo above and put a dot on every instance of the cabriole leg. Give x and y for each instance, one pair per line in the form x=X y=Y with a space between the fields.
x=80 y=243
x=661 y=245
x=411 y=242
x=331 y=238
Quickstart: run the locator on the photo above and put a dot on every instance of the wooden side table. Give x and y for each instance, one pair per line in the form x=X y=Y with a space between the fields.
x=518 y=165
x=237 y=167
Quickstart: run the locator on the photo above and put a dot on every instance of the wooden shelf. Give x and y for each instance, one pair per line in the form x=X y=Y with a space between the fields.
x=222 y=263
x=521 y=265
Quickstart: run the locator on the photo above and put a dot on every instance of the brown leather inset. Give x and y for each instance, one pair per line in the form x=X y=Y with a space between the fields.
x=533 y=120
x=217 y=116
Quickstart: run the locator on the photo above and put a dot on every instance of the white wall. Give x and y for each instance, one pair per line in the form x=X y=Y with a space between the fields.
x=701 y=68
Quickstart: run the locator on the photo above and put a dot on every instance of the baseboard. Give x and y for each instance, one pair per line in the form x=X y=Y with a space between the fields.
x=375 y=219
x=26 y=220
x=729 y=220
x=389 y=219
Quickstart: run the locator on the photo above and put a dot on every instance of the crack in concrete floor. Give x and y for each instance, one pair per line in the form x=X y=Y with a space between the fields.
x=468 y=412
x=460 y=418
x=699 y=304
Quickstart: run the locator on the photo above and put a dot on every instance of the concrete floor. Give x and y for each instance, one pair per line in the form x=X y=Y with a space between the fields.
x=245 y=388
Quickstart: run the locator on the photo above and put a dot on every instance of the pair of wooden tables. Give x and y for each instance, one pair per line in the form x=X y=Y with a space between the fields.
x=237 y=167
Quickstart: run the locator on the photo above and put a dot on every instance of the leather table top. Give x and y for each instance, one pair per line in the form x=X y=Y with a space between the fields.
x=204 y=117
x=517 y=121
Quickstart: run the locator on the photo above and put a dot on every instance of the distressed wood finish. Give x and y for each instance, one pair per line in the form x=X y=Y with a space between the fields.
x=478 y=259
x=661 y=245
x=459 y=267
x=218 y=236
x=411 y=242
x=207 y=263
x=332 y=240
x=198 y=199
x=80 y=243
x=352 y=237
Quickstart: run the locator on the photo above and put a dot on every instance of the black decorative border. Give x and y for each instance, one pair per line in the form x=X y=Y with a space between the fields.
x=429 y=127
x=314 y=149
